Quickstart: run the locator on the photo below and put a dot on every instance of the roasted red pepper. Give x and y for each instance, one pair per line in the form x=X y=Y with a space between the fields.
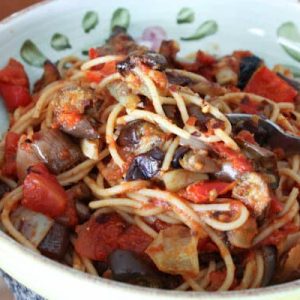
x=200 y=192
x=43 y=193
x=14 y=85
x=10 y=151
x=266 y=83
x=98 y=74
x=100 y=236
x=238 y=160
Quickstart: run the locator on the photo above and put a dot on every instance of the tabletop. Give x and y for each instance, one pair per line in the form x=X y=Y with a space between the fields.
x=9 y=7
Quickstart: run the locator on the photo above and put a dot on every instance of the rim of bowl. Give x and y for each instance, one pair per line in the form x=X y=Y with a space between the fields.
x=275 y=290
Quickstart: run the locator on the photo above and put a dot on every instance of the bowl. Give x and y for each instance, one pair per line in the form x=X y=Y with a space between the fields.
x=54 y=29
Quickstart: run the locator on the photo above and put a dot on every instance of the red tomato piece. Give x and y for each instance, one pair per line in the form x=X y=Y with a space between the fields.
x=205 y=59
x=247 y=136
x=10 y=151
x=278 y=235
x=99 y=73
x=14 y=95
x=238 y=159
x=93 y=53
x=134 y=239
x=199 y=192
x=14 y=74
x=98 y=237
x=266 y=83
x=275 y=206
x=42 y=192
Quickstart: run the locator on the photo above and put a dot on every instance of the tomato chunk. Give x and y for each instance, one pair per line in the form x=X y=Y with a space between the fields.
x=278 y=235
x=43 y=193
x=14 y=85
x=98 y=237
x=10 y=151
x=134 y=239
x=14 y=74
x=200 y=192
x=266 y=83
x=238 y=159
x=14 y=96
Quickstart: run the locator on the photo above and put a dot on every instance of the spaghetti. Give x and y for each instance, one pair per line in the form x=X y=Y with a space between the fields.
x=130 y=157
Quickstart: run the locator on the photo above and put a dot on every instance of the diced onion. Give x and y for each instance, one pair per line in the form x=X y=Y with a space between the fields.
x=178 y=179
x=90 y=148
x=174 y=251
x=34 y=226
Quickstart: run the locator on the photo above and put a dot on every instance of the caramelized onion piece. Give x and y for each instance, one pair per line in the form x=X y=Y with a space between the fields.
x=175 y=251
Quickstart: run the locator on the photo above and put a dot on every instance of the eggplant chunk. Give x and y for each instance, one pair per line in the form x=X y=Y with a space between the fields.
x=26 y=157
x=56 y=150
x=179 y=153
x=226 y=173
x=56 y=242
x=198 y=161
x=84 y=128
x=145 y=166
x=128 y=267
x=172 y=112
x=289 y=266
x=177 y=79
x=71 y=104
x=153 y=60
x=242 y=237
x=202 y=118
x=4 y=188
x=248 y=65
x=50 y=75
x=140 y=137
x=253 y=191
x=270 y=258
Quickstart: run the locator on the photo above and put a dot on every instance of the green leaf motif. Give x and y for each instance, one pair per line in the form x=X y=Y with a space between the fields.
x=120 y=17
x=60 y=42
x=288 y=37
x=185 y=15
x=32 y=54
x=90 y=21
x=205 y=29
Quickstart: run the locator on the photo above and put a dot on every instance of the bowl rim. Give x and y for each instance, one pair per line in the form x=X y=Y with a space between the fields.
x=279 y=290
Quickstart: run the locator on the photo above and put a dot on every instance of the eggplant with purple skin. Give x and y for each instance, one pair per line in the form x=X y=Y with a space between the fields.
x=152 y=60
x=80 y=194
x=202 y=118
x=140 y=136
x=76 y=101
x=270 y=258
x=146 y=165
x=248 y=65
x=178 y=155
x=56 y=150
x=56 y=242
x=178 y=79
x=126 y=266
x=50 y=75
x=4 y=188
x=172 y=112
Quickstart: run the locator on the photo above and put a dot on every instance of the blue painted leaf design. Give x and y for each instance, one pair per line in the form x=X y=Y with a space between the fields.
x=289 y=38
x=32 y=54
x=207 y=28
x=90 y=21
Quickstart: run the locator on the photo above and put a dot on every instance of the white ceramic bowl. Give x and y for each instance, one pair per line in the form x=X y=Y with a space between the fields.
x=266 y=27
